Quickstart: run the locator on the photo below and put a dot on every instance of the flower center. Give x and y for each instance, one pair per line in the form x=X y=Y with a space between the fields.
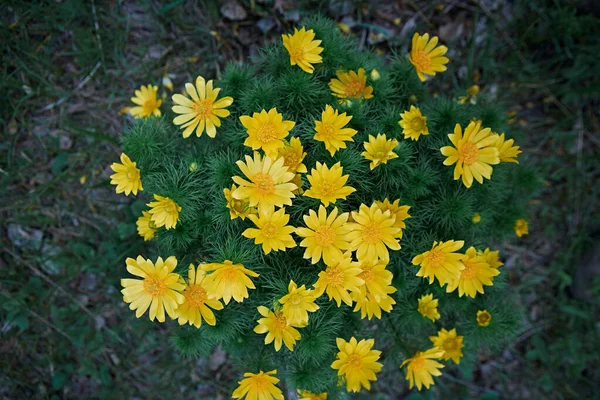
x=195 y=295
x=469 y=271
x=238 y=206
x=335 y=276
x=483 y=318
x=264 y=183
x=325 y=236
x=266 y=133
x=421 y=60
x=230 y=275
x=203 y=108
x=469 y=153
x=290 y=160
x=380 y=154
x=171 y=208
x=154 y=286
x=327 y=189
x=327 y=131
x=371 y=233
x=133 y=174
x=367 y=275
x=436 y=258
x=149 y=106
x=418 y=364
x=355 y=89
x=296 y=299
x=297 y=54
x=280 y=321
x=259 y=384
x=450 y=344
x=417 y=124
x=355 y=361
x=269 y=230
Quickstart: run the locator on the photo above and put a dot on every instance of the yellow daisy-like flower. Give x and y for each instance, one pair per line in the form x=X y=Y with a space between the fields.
x=473 y=153
x=476 y=218
x=379 y=150
x=126 y=176
x=339 y=279
x=521 y=227
x=164 y=211
x=428 y=307
x=357 y=363
x=238 y=208
x=202 y=111
x=293 y=154
x=277 y=328
x=426 y=57
x=441 y=262
x=298 y=303
x=401 y=212
x=145 y=226
x=228 y=280
x=146 y=101
x=506 y=151
x=369 y=306
x=266 y=131
x=422 y=366
x=158 y=289
x=477 y=272
x=351 y=85
x=413 y=123
x=330 y=130
x=372 y=231
x=258 y=386
x=273 y=232
x=328 y=185
x=303 y=49
x=492 y=257
x=325 y=235
x=484 y=318
x=197 y=305
x=269 y=182
x=308 y=395
x=451 y=343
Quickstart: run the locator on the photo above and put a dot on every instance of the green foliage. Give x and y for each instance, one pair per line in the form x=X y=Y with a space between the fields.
x=441 y=209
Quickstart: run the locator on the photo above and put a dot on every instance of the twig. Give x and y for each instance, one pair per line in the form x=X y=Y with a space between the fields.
x=79 y=86
x=97 y=30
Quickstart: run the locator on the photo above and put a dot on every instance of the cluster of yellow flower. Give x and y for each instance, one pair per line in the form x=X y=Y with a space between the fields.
x=353 y=245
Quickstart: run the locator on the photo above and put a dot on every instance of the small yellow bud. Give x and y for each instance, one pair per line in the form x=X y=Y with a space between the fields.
x=476 y=218
x=193 y=166
x=375 y=75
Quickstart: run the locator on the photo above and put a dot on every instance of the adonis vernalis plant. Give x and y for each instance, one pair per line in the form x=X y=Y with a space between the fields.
x=333 y=227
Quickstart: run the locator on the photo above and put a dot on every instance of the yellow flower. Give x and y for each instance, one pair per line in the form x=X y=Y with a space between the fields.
x=357 y=363
x=477 y=272
x=308 y=395
x=269 y=182
x=266 y=131
x=338 y=279
x=441 y=262
x=401 y=212
x=293 y=154
x=473 y=153
x=158 y=289
x=413 y=124
x=165 y=212
x=126 y=176
x=277 y=328
x=422 y=366
x=237 y=208
x=303 y=49
x=484 y=318
x=325 y=235
x=426 y=57
x=202 y=111
x=491 y=257
x=327 y=184
x=428 y=307
x=375 y=75
x=147 y=103
x=145 y=226
x=451 y=343
x=507 y=152
x=297 y=303
x=476 y=218
x=376 y=277
x=521 y=227
x=228 y=280
x=197 y=305
x=369 y=306
x=379 y=150
x=351 y=85
x=330 y=130
x=372 y=232
x=273 y=232
x=258 y=386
